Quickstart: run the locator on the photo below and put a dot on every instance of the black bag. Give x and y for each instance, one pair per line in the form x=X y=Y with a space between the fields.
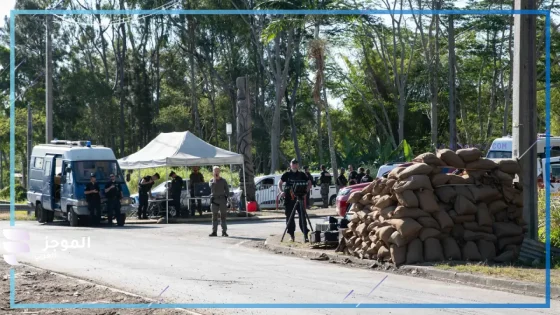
x=316 y=237
x=331 y=236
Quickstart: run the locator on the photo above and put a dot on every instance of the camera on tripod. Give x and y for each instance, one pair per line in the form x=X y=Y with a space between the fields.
x=299 y=188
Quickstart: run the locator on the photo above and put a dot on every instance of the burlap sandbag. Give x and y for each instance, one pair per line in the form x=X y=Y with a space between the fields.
x=509 y=193
x=475 y=236
x=497 y=206
x=509 y=166
x=398 y=254
x=388 y=186
x=465 y=192
x=428 y=222
x=445 y=206
x=408 y=199
x=432 y=250
x=355 y=218
x=427 y=233
x=429 y=158
x=451 y=250
x=371 y=226
x=458 y=232
x=440 y=179
x=384 y=202
x=482 y=164
x=397 y=239
x=404 y=212
x=355 y=196
x=363 y=213
x=457 y=180
x=475 y=227
x=506 y=229
x=483 y=216
x=505 y=257
x=469 y=155
x=414 y=182
x=459 y=219
x=501 y=216
x=444 y=220
x=394 y=173
x=357 y=243
x=446 y=194
x=487 y=250
x=416 y=169
x=427 y=201
x=518 y=200
x=407 y=227
x=378 y=186
x=470 y=252
x=383 y=253
x=369 y=189
x=503 y=177
x=463 y=206
x=384 y=233
x=366 y=200
x=488 y=194
x=387 y=212
x=511 y=240
x=514 y=212
x=415 y=252
x=362 y=229
x=515 y=248
x=450 y=158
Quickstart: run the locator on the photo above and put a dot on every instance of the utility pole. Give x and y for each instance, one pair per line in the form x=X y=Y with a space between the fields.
x=48 y=83
x=525 y=109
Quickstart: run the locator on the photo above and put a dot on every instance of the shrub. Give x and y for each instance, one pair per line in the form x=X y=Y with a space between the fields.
x=554 y=219
x=21 y=194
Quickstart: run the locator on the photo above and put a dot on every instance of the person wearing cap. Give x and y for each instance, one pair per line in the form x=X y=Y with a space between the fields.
x=176 y=188
x=194 y=179
x=307 y=198
x=219 y=196
x=326 y=180
x=113 y=192
x=341 y=181
x=290 y=200
x=93 y=199
x=144 y=194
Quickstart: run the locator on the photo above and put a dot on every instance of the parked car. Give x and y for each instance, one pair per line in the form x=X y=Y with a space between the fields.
x=266 y=190
x=160 y=193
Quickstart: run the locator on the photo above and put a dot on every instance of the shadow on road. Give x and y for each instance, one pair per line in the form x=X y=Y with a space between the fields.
x=248 y=238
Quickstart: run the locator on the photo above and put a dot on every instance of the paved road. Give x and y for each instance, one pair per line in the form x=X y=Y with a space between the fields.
x=144 y=259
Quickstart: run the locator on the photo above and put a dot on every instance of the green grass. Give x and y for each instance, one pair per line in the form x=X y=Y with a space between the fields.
x=535 y=275
x=554 y=218
x=20 y=216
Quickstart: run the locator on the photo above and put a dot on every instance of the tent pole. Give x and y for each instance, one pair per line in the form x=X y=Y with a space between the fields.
x=245 y=190
x=167 y=195
x=231 y=179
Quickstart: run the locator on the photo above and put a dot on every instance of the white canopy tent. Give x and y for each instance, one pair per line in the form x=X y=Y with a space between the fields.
x=180 y=149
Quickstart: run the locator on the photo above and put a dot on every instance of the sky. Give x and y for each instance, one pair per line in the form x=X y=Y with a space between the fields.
x=5 y=7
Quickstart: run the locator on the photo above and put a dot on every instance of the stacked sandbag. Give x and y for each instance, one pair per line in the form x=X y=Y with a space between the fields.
x=420 y=213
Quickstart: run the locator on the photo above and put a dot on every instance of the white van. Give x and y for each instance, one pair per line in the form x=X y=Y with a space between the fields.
x=502 y=148
x=266 y=191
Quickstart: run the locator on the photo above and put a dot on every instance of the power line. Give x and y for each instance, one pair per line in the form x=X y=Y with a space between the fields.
x=120 y=21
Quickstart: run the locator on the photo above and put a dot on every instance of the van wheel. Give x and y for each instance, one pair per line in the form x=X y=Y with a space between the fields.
x=72 y=217
x=40 y=213
x=332 y=201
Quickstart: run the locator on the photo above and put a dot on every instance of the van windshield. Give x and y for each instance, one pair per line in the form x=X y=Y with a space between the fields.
x=499 y=155
x=101 y=169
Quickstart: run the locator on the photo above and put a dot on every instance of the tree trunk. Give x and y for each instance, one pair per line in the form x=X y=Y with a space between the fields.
x=122 y=83
x=192 y=47
x=452 y=107
x=508 y=90
x=319 y=120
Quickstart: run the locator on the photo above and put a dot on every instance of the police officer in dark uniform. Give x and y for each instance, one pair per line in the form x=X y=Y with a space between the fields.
x=326 y=180
x=307 y=201
x=341 y=181
x=113 y=192
x=176 y=188
x=361 y=174
x=367 y=177
x=290 y=200
x=352 y=176
x=94 y=200
x=144 y=194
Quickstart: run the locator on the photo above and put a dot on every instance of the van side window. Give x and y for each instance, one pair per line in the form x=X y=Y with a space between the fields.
x=267 y=183
x=48 y=169
x=38 y=163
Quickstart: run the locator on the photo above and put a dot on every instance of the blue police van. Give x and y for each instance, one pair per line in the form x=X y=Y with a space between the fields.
x=59 y=173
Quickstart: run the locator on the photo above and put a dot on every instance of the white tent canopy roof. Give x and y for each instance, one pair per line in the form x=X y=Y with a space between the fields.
x=179 y=149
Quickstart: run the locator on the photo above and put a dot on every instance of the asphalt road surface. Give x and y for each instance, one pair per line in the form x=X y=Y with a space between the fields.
x=145 y=259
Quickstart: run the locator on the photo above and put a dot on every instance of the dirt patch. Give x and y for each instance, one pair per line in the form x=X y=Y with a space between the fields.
x=38 y=286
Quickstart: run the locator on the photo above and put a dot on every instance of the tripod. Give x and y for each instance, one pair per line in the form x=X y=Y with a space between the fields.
x=302 y=217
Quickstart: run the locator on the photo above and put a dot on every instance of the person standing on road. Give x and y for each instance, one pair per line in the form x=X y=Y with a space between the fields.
x=290 y=200
x=341 y=181
x=94 y=200
x=144 y=194
x=176 y=188
x=352 y=176
x=194 y=179
x=219 y=197
x=361 y=174
x=326 y=180
x=310 y=177
x=367 y=178
x=113 y=192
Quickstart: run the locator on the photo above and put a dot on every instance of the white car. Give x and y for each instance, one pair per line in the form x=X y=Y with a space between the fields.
x=266 y=191
x=387 y=168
